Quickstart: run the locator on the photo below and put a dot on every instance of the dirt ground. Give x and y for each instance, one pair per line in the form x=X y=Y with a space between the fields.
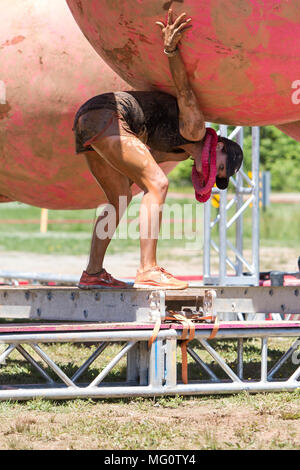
x=239 y=422
x=125 y=264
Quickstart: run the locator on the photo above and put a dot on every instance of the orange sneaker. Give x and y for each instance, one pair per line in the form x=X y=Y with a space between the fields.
x=158 y=278
x=99 y=281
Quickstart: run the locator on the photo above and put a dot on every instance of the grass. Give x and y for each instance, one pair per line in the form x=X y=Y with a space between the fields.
x=242 y=421
x=279 y=226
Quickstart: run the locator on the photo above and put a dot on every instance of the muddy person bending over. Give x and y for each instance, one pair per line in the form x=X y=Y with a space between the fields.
x=125 y=135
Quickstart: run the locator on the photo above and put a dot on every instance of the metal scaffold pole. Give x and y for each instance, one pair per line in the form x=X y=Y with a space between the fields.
x=234 y=267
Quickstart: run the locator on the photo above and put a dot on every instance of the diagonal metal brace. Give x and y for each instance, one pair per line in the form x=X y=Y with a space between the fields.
x=53 y=366
x=220 y=361
x=112 y=364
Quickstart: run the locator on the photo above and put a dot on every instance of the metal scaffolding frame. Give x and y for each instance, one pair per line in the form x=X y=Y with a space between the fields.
x=149 y=372
x=246 y=195
x=131 y=318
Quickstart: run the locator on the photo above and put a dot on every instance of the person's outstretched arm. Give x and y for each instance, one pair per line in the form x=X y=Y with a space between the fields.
x=191 y=119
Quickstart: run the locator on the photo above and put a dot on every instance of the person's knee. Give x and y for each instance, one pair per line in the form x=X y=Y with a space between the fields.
x=160 y=185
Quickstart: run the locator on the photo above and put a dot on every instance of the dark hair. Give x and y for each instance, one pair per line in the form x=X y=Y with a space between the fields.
x=234 y=160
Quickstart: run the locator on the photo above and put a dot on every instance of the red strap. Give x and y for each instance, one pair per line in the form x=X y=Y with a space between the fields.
x=154 y=333
x=188 y=334
x=215 y=329
x=188 y=328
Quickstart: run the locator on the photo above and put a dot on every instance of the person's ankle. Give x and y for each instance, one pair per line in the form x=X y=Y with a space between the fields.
x=147 y=267
x=94 y=270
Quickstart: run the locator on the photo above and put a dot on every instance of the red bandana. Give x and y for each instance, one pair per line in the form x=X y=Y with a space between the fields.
x=204 y=183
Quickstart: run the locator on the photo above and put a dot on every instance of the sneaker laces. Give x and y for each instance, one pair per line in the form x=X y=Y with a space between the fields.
x=169 y=275
x=107 y=276
x=162 y=270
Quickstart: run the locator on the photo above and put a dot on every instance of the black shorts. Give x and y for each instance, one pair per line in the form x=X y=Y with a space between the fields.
x=106 y=115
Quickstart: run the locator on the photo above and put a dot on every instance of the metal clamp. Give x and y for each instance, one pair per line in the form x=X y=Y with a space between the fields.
x=157 y=305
